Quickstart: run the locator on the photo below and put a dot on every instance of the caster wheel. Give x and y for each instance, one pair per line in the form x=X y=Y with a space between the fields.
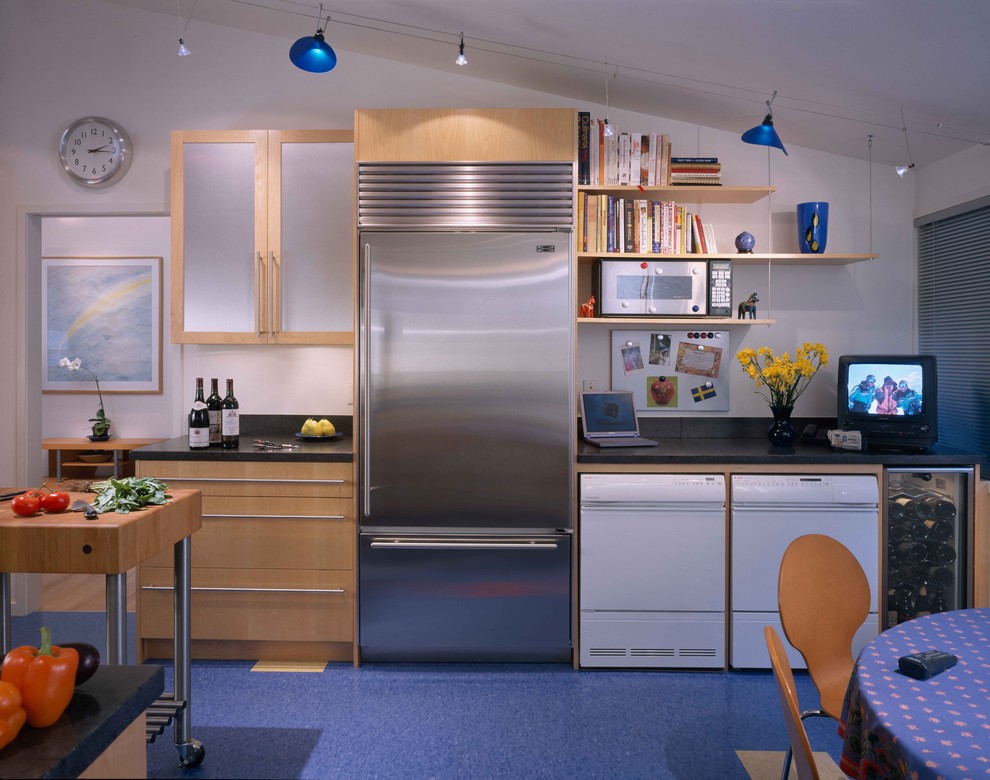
x=192 y=753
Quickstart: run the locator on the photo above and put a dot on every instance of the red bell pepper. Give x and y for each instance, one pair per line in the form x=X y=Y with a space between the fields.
x=12 y=714
x=46 y=678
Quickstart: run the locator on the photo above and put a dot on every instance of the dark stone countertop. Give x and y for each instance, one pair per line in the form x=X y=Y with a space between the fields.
x=100 y=710
x=273 y=428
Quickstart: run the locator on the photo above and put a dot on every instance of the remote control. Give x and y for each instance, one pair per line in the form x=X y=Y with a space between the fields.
x=921 y=666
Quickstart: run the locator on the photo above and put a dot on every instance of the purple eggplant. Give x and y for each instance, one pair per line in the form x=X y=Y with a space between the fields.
x=89 y=660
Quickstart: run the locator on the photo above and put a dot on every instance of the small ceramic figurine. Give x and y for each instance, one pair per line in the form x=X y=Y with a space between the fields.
x=745 y=243
x=588 y=307
x=748 y=306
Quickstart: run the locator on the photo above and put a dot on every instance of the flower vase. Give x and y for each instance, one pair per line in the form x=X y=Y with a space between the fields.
x=782 y=433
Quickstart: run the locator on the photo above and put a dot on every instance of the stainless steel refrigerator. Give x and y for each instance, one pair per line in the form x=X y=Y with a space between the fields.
x=465 y=419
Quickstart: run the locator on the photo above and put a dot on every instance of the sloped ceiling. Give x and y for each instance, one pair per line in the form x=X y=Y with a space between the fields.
x=843 y=69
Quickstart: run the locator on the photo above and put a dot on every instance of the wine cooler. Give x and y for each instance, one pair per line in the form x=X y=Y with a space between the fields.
x=928 y=533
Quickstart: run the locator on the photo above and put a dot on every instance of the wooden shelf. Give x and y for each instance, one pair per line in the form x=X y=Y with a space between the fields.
x=63 y=453
x=682 y=323
x=702 y=194
x=738 y=259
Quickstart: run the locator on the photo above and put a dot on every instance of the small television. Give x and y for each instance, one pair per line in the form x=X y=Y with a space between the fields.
x=891 y=399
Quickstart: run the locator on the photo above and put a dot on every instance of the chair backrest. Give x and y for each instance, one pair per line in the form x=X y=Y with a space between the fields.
x=824 y=597
x=803 y=760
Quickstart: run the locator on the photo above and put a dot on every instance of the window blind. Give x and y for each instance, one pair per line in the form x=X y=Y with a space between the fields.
x=954 y=319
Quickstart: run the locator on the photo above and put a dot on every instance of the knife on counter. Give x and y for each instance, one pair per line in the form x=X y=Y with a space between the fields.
x=8 y=496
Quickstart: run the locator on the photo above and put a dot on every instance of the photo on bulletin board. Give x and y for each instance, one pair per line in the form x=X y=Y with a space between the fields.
x=672 y=370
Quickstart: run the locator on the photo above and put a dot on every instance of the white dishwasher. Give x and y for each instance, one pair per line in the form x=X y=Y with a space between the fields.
x=652 y=570
x=770 y=511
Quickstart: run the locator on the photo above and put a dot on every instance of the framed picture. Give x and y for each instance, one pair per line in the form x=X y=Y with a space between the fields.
x=105 y=312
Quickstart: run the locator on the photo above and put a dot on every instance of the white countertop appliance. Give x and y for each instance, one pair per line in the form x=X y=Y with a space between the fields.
x=652 y=570
x=770 y=511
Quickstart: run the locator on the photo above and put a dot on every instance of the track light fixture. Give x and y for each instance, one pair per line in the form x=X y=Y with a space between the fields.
x=461 y=59
x=902 y=169
x=764 y=134
x=609 y=130
x=312 y=53
x=183 y=49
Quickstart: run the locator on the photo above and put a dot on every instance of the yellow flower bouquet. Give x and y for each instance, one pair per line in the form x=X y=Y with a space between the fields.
x=779 y=379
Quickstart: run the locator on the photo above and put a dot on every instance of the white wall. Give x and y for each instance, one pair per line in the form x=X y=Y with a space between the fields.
x=120 y=62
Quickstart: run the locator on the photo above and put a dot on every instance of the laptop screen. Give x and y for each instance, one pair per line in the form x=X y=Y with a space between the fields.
x=609 y=414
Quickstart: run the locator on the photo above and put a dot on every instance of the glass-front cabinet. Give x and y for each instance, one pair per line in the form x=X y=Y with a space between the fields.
x=262 y=238
x=929 y=535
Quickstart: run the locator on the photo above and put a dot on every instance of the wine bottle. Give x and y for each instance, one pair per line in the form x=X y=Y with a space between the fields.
x=896 y=533
x=922 y=605
x=940 y=530
x=914 y=552
x=214 y=406
x=915 y=529
x=230 y=423
x=940 y=552
x=936 y=600
x=199 y=420
x=940 y=507
x=942 y=577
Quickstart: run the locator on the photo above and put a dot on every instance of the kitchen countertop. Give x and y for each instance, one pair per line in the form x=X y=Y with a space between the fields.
x=100 y=710
x=755 y=451
x=339 y=450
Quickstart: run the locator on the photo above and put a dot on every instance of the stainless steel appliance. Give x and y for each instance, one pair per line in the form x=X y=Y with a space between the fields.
x=653 y=570
x=656 y=288
x=768 y=512
x=466 y=423
x=929 y=530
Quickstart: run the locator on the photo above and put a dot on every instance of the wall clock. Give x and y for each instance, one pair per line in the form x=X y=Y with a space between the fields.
x=95 y=152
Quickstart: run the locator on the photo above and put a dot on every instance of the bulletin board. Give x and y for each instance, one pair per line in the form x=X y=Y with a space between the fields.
x=672 y=370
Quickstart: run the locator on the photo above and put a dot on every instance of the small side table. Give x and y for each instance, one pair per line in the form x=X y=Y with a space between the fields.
x=63 y=453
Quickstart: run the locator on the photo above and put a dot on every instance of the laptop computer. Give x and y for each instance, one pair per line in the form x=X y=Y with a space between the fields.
x=608 y=419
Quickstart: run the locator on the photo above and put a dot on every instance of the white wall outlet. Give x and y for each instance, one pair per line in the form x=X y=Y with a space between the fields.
x=593 y=385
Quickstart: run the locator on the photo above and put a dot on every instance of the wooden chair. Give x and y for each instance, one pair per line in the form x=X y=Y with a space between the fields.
x=798 y=737
x=824 y=597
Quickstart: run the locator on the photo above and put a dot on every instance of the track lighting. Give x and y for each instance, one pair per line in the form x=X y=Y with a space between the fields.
x=764 y=134
x=461 y=59
x=608 y=130
x=312 y=53
x=183 y=49
x=902 y=169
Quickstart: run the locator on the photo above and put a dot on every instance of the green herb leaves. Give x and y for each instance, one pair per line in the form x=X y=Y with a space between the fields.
x=124 y=495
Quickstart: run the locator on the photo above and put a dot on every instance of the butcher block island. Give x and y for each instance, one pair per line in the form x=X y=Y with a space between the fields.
x=273 y=566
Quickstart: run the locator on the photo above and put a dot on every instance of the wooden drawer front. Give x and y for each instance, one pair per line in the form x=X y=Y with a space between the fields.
x=254 y=479
x=262 y=605
x=272 y=533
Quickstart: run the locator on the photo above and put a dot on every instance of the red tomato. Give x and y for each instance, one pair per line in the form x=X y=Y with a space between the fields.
x=26 y=504
x=54 y=502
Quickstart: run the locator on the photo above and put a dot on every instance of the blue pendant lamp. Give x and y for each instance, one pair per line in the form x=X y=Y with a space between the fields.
x=764 y=134
x=312 y=53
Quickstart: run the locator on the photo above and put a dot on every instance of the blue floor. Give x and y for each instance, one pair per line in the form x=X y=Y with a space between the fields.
x=466 y=720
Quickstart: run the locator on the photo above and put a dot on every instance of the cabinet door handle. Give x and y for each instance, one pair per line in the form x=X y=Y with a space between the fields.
x=259 y=277
x=274 y=304
x=364 y=374
x=248 y=590
x=280 y=517
x=252 y=479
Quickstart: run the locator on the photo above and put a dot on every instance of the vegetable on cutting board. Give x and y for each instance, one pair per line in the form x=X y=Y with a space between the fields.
x=45 y=676
x=129 y=493
x=12 y=714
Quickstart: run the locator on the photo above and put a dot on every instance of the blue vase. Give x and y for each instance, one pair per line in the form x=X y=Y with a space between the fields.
x=812 y=227
x=745 y=242
x=782 y=433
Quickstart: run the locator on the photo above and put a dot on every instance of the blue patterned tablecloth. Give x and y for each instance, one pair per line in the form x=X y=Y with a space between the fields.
x=896 y=727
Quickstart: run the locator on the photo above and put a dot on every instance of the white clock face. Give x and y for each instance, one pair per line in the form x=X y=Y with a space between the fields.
x=95 y=151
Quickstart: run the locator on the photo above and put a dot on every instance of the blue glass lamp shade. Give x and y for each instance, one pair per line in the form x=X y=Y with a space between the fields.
x=312 y=53
x=764 y=135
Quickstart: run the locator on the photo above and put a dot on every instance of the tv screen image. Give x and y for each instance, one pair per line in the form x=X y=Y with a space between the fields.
x=890 y=399
x=885 y=388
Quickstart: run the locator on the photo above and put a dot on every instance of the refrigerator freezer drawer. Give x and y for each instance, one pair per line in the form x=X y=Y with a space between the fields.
x=749 y=646
x=437 y=598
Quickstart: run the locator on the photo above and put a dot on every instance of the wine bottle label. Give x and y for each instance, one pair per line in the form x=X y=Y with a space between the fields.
x=199 y=437
x=197 y=405
x=230 y=422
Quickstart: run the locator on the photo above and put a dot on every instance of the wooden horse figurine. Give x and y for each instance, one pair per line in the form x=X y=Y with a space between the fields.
x=749 y=305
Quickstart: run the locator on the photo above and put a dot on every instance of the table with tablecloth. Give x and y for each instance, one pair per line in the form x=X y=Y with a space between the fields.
x=894 y=726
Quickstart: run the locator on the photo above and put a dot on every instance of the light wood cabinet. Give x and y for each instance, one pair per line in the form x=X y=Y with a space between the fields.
x=262 y=237
x=273 y=566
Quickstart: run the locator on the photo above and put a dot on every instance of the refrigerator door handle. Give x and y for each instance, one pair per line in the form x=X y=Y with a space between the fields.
x=413 y=544
x=365 y=376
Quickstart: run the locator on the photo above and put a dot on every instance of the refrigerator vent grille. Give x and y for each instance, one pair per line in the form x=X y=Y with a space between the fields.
x=475 y=196
x=698 y=652
x=661 y=652
x=610 y=652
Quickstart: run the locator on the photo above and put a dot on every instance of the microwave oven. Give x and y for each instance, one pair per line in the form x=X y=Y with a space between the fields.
x=662 y=288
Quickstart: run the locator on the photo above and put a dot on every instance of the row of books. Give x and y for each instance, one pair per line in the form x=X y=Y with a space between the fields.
x=632 y=159
x=612 y=224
